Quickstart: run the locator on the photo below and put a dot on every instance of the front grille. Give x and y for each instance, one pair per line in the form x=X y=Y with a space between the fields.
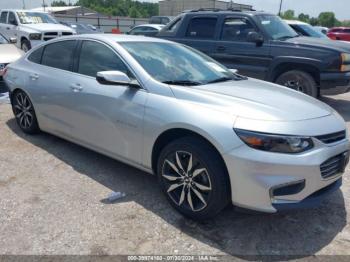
x=334 y=165
x=331 y=138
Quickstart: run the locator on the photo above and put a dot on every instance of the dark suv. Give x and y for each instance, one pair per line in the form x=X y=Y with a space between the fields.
x=263 y=46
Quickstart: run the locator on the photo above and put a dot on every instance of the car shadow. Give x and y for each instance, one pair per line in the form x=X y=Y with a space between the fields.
x=342 y=106
x=250 y=236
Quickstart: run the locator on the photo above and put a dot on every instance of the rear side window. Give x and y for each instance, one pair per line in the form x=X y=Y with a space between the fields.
x=96 y=57
x=59 y=55
x=346 y=30
x=202 y=27
x=236 y=29
x=3 y=17
x=35 y=57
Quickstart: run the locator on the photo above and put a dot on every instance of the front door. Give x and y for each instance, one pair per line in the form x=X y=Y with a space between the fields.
x=108 y=118
x=235 y=51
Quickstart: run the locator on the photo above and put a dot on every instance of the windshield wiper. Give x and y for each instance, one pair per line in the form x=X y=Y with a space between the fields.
x=182 y=83
x=226 y=78
x=287 y=37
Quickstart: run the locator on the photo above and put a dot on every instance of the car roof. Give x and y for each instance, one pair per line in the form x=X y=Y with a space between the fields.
x=295 y=22
x=118 y=38
x=21 y=10
x=226 y=12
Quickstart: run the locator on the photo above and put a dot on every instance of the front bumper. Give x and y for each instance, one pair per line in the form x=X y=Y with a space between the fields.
x=334 y=83
x=254 y=174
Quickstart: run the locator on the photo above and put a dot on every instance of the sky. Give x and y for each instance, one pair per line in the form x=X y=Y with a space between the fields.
x=313 y=7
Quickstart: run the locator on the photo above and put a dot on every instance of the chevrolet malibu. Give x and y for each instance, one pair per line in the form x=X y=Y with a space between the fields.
x=211 y=136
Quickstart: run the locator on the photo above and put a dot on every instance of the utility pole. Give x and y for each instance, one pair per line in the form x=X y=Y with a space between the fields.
x=44 y=5
x=24 y=5
x=279 y=12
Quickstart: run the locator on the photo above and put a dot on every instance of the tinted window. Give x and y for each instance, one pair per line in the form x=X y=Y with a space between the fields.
x=59 y=55
x=96 y=57
x=35 y=57
x=236 y=29
x=202 y=27
x=174 y=26
x=155 y=20
x=346 y=30
x=3 y=17
x=12 y=18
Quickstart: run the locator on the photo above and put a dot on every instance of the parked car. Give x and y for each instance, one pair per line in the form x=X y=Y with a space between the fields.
x=322 y=29
x=80 y=28
x=31 y=28
x=142 y=100
x=305 y=29
x=8 y=54
x=339 y=33
x=263 y=46
x=160 y=20
x=146 y=30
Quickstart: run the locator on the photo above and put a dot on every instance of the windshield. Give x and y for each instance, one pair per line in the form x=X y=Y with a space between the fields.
x=309 y=31
x=177 y=64
x=275 y=27
x=35 y=18
x=3 y=40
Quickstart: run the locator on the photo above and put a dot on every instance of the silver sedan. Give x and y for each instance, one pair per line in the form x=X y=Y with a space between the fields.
x=211 y=136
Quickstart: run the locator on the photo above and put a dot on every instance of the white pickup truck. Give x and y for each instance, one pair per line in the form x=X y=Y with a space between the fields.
x=30 y=27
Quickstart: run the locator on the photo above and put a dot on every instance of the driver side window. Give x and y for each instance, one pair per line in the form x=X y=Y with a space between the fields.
x=236 y=29
x=96 y=57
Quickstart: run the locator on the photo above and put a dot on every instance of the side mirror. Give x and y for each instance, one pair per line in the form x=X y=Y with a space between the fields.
x=114 y=78
x=13 y=40
x=255 y=38
x=235 y=71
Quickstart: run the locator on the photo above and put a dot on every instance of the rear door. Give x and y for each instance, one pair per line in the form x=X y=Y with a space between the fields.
x=48 y=80
x=235 y=51
x=200 y=33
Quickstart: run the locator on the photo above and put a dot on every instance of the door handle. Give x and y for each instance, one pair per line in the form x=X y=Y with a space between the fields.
x=221 y=48
x=76 y=87
x=34 y=76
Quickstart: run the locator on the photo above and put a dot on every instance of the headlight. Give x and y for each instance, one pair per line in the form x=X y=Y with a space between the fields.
x=35 y=36
x=345 y=62
x=275 y=143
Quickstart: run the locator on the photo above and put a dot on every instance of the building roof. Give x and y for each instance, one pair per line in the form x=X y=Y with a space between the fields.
x=53 y=9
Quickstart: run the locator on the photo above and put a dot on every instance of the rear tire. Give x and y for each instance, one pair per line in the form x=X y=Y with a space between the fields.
x=24 y=113
x=299 y=81
x=194 y=178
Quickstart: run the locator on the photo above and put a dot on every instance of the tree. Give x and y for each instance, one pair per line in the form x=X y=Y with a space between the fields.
x=328 y=19
x=314 y=21
x=58 y=3
x=289 y=15
x=304 y=17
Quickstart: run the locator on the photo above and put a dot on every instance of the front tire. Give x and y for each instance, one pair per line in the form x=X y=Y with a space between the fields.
x=24 y=113
x=299 y=81
x=25 y=46
x=194 y=178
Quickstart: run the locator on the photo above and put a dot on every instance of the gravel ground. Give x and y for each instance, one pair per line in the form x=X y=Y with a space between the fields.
x=52 y=202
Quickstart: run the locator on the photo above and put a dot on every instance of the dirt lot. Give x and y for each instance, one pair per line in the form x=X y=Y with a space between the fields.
x=52 y=201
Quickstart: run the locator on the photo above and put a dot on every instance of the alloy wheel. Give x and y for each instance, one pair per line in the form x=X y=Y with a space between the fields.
x=296 y=85
x=187 y=181
x=24 y=110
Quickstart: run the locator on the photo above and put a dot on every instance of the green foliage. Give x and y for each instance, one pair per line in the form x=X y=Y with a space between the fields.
x=130 y=8
x=59 y=3
x=326 y=19
x=288 y=15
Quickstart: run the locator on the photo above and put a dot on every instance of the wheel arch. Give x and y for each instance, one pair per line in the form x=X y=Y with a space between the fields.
x=283 y=66
x=173 y=134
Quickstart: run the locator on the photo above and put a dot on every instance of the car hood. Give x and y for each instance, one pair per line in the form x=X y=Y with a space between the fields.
x=9 y=53
x=321 y=42
x=43 y=27
x=255 y=99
